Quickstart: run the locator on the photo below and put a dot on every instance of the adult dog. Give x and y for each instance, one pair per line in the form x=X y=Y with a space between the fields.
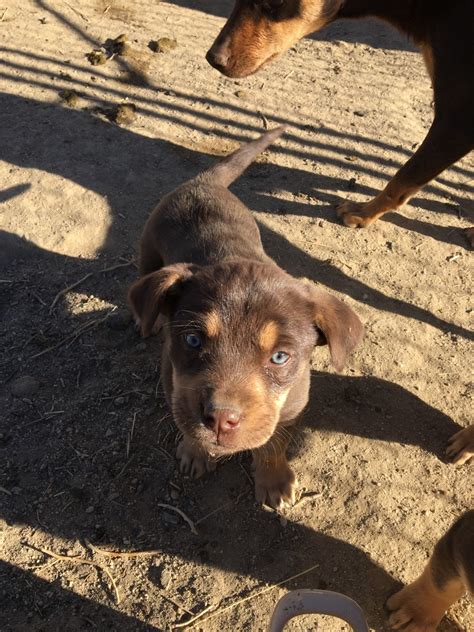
x=259 y=31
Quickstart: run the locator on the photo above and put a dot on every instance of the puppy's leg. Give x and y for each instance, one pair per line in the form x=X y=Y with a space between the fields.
x=193 y=460
x=420 y=606
x=461 y=446
x=275 y=482
x=444 y=145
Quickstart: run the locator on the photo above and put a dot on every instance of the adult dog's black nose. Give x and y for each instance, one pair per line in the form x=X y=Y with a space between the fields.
x=218 y=57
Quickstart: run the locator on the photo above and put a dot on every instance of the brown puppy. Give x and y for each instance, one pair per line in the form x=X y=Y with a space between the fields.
x=258 y=31
x=420 y=606
x=238 y=330
x=461 y=446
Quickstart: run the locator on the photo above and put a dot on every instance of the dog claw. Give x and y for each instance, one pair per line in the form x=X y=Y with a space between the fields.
x=277 y=488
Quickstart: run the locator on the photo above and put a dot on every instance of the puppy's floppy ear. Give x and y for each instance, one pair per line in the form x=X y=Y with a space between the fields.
x=337 y=325
x=153 y=293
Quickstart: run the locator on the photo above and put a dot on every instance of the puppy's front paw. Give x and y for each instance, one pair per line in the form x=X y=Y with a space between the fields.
x=275 y=484
x=415 y=608
x=461 y=446
x=193 y=461
x=355 y=215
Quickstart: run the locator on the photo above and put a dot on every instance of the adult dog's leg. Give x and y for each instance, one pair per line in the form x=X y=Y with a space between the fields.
x=448 y=140
x=449 y=573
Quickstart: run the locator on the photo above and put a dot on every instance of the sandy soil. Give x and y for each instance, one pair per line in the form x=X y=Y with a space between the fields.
x=87 y=444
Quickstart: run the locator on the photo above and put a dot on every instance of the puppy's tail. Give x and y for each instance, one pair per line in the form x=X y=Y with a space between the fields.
x=230 y=168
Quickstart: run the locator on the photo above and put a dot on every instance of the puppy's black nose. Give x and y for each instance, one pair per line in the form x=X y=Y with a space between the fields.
x=218 y=57
x=221 y=420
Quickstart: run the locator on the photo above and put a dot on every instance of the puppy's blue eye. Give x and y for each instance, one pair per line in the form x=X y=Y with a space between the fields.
x=280 y=358
x=193 y=341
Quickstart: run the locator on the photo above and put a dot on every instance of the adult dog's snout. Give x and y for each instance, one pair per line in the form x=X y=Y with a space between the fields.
x=218 y=56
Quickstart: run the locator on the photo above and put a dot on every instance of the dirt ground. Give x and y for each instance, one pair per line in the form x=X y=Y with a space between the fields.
x=86 y=441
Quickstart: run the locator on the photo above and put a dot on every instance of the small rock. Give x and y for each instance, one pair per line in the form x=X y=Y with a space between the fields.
x=123 y=114
x=170 y=519
x=119 y=321
x=114 y=496
x=69 y=97
x=16 y=490
x=109 y=433
x=166 y=577
x=163 y=45
x=119 y=45
x=90 y=509
x=119 y=401
x=96 y=57
x=241 y=94
x=24 y=386
x=351 y=185
x=359 y=113
x=141 y=346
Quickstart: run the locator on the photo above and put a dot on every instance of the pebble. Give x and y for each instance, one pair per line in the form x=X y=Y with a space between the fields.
x=163 y=45
x=69 y=97
x=119 y=401
x=90 y=509
x=96 y=57
x=166 y=577
x=119 y=321
x=241 y=94
x=24 y=386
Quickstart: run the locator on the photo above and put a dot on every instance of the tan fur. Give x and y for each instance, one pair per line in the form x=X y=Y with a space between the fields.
x=212 y=324
x=268 y=336
x=421 y=604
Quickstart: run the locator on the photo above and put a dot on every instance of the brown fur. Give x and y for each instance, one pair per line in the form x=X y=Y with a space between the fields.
x=420 y=606
x=259 y=31
x=205 y=274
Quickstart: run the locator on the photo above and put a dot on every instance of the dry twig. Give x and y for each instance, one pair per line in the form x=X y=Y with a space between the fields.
x=90 y=324
x=195 y=618
x=109 y=553
x=250 y=597
x=81 y=560
x=67 y=289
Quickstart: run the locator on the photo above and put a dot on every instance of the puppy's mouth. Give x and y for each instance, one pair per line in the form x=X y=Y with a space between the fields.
x=227 y=444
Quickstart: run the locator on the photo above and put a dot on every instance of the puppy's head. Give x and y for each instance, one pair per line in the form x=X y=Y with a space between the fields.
x=239 y=337
x=259 y=31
